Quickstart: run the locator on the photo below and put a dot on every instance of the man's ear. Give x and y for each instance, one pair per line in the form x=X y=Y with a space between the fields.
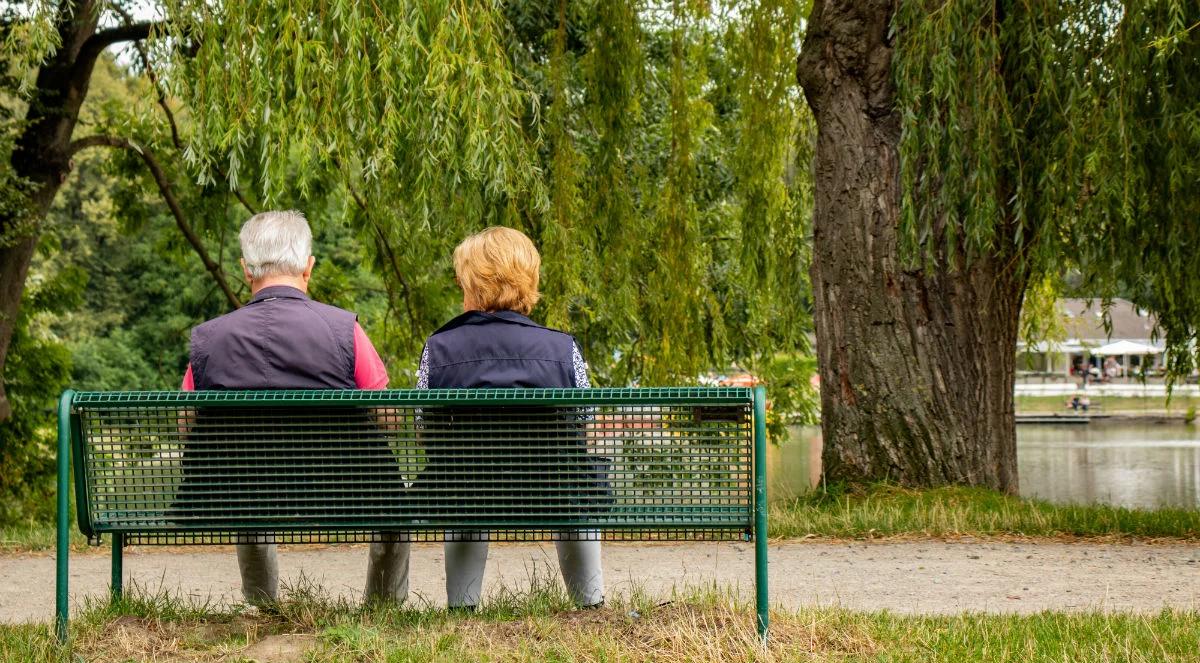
x=312 y=260
x=245 y=272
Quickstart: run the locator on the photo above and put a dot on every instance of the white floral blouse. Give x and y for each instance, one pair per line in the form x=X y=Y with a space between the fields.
x=581 y=369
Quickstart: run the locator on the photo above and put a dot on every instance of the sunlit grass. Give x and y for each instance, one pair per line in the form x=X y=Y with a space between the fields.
x=886 y=511
x=32 y=536
x=704 y=624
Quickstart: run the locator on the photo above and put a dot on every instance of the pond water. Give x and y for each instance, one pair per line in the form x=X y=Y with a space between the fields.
x=1126 y=464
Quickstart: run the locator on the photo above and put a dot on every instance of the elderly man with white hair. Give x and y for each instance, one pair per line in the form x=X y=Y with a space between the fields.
x=283 y=340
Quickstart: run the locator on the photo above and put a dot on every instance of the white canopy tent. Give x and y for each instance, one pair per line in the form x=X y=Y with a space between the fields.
x=1124 y=348
x=1051 y=346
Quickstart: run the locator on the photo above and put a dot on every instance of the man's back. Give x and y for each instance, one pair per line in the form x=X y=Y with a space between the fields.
x=280 y=340
x=284 y=340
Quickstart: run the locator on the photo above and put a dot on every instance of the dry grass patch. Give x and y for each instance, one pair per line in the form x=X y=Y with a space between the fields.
x=139 y=638
x=704 y=625
x=677 y=632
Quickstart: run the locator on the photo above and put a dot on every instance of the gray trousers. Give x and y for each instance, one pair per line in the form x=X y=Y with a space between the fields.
x=387 y=571
x=579 y=562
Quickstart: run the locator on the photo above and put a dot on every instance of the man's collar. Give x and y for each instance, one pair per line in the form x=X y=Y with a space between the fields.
x=278 y=292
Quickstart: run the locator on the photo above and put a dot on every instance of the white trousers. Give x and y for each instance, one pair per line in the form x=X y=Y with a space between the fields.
x=387 y=570
x=579 y=562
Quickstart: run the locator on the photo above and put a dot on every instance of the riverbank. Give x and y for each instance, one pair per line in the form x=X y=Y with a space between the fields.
x=697 y=625
x=1179 y=408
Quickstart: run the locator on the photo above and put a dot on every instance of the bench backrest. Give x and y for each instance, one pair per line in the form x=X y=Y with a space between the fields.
x=310 y=466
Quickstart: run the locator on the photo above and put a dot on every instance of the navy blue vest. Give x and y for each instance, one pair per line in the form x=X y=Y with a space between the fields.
x=280 y=340
x=540 y=466
x=500 y=349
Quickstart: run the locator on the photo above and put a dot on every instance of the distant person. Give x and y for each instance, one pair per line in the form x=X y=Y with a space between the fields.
x=495 y=344
x=1112 y=368
x=282 y=339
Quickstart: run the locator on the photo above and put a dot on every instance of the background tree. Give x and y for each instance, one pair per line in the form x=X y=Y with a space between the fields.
x=648 y=149
x=430 y=118
x=964 y=151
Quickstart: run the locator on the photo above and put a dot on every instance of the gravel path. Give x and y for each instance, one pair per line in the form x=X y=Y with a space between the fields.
x=907 y=577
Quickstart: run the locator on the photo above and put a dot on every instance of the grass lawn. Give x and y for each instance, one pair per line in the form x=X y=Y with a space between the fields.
x=889 y=511
x=541 y=626
x=1179 y=406
x=879 y=512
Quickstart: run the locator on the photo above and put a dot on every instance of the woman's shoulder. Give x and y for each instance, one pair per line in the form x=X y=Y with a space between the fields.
x=478 y=333
x=471 y=319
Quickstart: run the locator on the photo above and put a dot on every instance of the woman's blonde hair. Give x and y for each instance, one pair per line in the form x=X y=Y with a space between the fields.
x=499 y=269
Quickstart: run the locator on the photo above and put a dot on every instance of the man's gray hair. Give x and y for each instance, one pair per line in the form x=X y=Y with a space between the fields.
x=276 y=244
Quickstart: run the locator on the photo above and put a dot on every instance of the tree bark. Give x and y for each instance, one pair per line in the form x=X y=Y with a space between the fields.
x=916 y=365
x=41 y=155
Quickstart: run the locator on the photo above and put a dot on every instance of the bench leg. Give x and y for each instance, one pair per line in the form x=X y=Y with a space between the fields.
x=760 y=582
x=118 y=565
x=762 y=601
x=63 y=551
x=63 y=543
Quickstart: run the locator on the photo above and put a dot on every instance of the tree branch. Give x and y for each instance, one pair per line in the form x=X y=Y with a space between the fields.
x=382 y=245
x=121 y=33
x=160 y=94
x=164 y=187
x=166 y=107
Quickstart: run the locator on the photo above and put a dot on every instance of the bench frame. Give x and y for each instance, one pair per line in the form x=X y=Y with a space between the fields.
x=68 y=430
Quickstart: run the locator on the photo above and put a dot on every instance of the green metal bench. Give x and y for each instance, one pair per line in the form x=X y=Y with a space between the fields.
x=213 y=467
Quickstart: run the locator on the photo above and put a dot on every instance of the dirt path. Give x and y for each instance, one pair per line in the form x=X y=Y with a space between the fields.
x=905 y=577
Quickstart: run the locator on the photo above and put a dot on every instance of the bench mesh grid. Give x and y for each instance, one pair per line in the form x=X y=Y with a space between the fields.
x=342 y=466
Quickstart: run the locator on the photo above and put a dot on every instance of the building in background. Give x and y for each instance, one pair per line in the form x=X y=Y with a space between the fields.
x=1128 y=347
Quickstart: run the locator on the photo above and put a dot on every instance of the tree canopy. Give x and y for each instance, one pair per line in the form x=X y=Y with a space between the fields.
x=1062 y=136
x=642 y=145
x=650 y=150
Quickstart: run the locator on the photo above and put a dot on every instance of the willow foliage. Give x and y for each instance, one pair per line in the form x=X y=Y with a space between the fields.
x=1063 y=136
x=418 y=96
x=649 y=148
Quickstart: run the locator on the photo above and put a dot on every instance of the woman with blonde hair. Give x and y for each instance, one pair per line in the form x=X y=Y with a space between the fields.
x=495 y=344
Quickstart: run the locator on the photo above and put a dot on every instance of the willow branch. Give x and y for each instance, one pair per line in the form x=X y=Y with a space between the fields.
x=168 y=194
x=160 y=94
x=166 y=108
x=386 y=248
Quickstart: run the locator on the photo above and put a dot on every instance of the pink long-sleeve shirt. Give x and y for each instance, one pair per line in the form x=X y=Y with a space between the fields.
x=369 y=371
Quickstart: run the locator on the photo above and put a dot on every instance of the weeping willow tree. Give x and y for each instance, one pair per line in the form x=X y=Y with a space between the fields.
x=967 y=153
x=645 y=146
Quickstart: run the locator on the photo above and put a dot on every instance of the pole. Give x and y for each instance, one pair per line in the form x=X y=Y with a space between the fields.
x=760 y=509
x=63 y=544
x=118 y=558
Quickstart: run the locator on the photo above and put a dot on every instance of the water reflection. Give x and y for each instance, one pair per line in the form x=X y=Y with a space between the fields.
x=1128 y=464
x=794 y=467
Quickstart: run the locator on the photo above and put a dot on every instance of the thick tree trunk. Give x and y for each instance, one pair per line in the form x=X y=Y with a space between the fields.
x=41 y=157
x=916 y=365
